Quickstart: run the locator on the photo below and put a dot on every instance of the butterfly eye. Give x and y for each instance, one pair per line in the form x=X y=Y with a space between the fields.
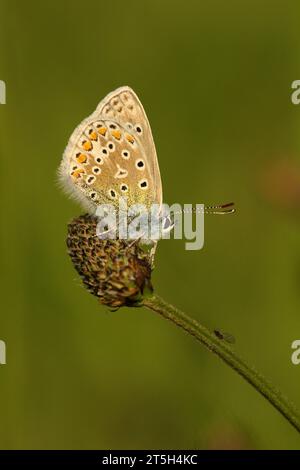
x=143 y=184
x=90 y=179
x=126 y=154
x=124 y=188
x=167 y=224
x=140 y=164
x=139 y=129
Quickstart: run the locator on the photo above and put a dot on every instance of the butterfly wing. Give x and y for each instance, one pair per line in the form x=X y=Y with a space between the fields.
x=112 y=154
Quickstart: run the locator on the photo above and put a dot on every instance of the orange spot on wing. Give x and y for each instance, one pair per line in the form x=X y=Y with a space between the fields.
x=102 y=130
x=93 y=135
x=77 y=173
x=129 y=138
x=116 y=134
x=81 y=158
x=87 y=145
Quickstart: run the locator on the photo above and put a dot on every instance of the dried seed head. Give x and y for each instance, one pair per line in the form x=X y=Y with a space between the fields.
x=118 y=272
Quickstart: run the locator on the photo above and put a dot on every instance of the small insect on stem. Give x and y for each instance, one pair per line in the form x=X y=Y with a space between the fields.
x=225 y=336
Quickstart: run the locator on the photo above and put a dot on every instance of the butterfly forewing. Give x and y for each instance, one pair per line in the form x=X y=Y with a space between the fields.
x=112 y=154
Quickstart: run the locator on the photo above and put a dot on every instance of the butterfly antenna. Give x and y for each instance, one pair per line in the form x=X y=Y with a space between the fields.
x=220 y=209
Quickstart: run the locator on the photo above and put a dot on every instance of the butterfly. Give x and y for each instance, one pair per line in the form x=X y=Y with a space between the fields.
x=111 y=154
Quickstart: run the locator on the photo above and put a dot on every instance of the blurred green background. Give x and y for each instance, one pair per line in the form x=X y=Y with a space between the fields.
x=215 y=79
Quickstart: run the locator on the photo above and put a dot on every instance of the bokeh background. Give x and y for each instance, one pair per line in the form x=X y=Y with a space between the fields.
x=215 y=79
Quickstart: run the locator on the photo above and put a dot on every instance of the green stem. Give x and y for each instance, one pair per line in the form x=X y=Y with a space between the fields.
x=228 y=355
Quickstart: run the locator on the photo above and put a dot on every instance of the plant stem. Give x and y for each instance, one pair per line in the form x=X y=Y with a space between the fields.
x=227 y=354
